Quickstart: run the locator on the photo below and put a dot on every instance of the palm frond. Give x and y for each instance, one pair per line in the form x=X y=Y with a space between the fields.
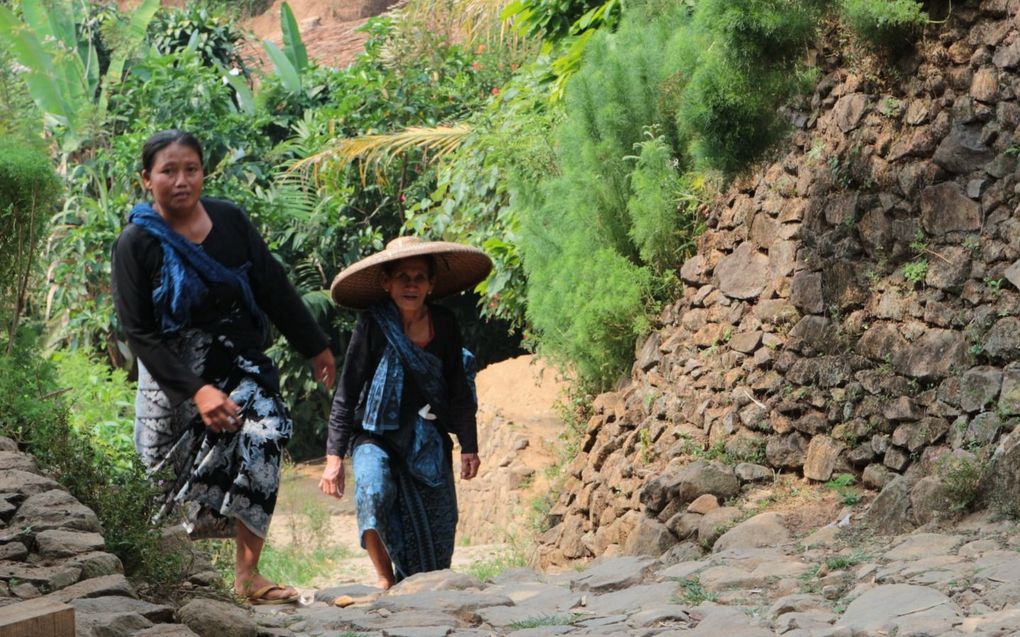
x=378 y=150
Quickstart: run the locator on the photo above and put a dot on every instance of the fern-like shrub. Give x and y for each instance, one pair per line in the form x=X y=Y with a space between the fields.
x=663 y=211
x=589 y=241
x=885 y=23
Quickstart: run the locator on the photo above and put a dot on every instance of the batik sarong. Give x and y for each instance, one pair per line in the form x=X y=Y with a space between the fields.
x=211 y=479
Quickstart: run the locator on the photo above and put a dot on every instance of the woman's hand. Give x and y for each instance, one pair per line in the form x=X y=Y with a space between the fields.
x=324 y=368
x=219 y=413
x=332 y=482
x=469 y=463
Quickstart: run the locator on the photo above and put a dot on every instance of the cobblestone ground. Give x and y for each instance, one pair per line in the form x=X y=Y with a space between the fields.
x=835 y=582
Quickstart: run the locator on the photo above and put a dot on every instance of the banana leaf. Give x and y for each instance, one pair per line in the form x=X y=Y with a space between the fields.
x=30 y=53
x=288 y=74
x=293 y=46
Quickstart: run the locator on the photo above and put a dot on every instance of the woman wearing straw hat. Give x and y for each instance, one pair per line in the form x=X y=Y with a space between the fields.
x=404 y=388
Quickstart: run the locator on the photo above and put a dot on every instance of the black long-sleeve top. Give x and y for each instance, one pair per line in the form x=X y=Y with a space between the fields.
x=233 y=241
x=364 y=352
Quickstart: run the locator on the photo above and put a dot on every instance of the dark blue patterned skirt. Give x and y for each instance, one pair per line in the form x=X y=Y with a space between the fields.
x=417 y=523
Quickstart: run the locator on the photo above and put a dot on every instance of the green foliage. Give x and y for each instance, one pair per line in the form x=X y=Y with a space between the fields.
x=916 y=270
x=842 y=484
x=741 y=59
x=509 y=144
x=753 y=32
x=664 y=208
x=504 y=560
x=693 y=593
x=104 y=405
x=888 y=24
x=37 y=417
x=19 y=118
x=29 y=189
x=55 y=45
x=208 y=33
x=553 y=19
x=292 y=44
x=962 y=475
x=588 y=286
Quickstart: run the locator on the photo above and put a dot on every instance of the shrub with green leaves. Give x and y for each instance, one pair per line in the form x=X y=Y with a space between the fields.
x=210 y=34
x=29 y=189
x=37 y=415
x=584 y=226
x=664 y=208
x=509 y=144
x=885 y=23
x=757 y=32
x=742 y=60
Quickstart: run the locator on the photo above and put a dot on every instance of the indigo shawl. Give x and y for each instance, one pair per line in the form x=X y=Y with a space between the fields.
x=382 y=404
x=186 y=269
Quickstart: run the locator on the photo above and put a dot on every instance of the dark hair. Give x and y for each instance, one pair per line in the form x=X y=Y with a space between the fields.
x=389 y=267
x=164 y=138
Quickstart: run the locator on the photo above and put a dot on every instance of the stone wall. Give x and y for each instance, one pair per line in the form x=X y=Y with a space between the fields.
x=52 y=548
x=852 y=306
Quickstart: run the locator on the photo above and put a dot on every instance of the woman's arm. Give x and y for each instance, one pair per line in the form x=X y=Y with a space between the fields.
x=281 y=302
x=135 y=259
x=357 y=367
x=462 y=405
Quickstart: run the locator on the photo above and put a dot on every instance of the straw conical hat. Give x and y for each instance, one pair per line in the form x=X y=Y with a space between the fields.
x=458 y=267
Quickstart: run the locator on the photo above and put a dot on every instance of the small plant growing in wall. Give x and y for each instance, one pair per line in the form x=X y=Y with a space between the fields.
x=961 y=476
x=916 y=270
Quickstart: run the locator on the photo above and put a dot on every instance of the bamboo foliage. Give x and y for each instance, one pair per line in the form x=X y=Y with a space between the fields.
x=378 y=150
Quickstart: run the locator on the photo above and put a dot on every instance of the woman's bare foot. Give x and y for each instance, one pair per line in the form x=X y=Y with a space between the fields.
x=384 y=583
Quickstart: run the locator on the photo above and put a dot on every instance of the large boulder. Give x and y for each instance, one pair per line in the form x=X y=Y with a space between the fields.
x=55 y=509
x=210 y=618
x=823 y=457
x=744 y=273
x=890 y=512
x=881 y=610
x=762 y=531
x=696 y=479
x=963 y=151
x=650 y=537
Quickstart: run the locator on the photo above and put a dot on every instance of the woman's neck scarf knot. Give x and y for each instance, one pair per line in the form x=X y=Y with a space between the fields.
x=186 y=271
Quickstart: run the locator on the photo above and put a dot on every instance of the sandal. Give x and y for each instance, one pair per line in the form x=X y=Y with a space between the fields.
x=258 y=597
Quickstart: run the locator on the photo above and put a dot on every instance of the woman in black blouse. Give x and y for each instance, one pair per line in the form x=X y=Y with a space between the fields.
x=195 y=289
x=404 y=388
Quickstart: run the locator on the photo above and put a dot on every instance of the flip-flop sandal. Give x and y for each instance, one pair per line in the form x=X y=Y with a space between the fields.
x=258 y=597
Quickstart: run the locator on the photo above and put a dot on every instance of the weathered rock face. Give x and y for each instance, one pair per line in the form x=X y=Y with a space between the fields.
x=853 y=307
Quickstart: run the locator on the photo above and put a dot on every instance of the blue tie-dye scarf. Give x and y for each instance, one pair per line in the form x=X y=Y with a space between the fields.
x=382 y=404
x=186 y=269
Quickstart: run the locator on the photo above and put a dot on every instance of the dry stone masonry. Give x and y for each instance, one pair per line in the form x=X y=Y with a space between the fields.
x=51 y=547
x=852 y=308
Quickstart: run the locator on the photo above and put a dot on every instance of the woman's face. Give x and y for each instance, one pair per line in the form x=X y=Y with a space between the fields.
x=175 y=179
x=409 y=283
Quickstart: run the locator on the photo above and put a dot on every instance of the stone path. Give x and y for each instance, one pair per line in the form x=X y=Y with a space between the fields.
x=834 y=583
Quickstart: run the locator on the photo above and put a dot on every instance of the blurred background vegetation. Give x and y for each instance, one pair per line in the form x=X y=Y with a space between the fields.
x=575 y=141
